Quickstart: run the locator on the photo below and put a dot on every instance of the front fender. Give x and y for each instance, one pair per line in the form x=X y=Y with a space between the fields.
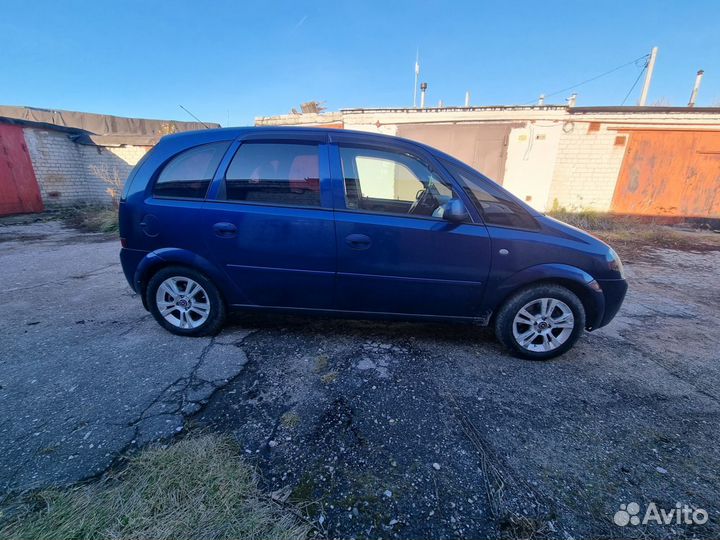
x=171 y=256
x=575 y=279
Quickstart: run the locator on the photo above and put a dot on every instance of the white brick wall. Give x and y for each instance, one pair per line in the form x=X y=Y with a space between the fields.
x=586 y=168
x=66 y=171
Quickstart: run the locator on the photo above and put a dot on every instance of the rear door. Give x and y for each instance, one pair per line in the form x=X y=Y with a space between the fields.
x=270 y=221
x=395 y=255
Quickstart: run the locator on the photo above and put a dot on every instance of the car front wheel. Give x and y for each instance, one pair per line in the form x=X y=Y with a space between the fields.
x=540 y=322
x=185 y=302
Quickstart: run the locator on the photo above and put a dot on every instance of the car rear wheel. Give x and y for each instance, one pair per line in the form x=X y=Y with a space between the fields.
x=185 y=302
x=540 y=322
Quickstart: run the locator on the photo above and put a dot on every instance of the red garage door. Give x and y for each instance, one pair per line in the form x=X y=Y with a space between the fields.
x=19 y=191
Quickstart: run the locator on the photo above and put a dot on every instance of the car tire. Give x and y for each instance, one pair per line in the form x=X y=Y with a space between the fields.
x=185 y=302
x=540 y=322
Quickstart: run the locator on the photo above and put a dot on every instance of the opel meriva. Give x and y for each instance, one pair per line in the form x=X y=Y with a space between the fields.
x=354 y=224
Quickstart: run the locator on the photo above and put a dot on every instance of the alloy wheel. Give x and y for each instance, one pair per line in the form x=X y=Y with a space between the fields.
x=182 y=302
x=543 y=324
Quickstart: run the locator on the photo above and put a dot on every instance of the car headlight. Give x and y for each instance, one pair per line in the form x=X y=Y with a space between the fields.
x=615 y=263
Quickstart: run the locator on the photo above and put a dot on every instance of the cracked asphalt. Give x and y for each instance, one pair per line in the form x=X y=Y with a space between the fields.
x=85 y=373
x=383 y=430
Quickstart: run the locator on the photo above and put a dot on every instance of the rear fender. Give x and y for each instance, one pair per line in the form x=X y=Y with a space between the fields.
x=155 y=260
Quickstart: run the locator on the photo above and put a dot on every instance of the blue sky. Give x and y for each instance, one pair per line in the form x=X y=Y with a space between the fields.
x=247 y=59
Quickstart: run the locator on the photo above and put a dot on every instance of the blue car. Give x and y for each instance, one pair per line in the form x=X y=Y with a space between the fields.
x=353 y=224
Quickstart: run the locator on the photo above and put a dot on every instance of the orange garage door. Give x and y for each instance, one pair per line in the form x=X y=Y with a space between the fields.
x=670 y=173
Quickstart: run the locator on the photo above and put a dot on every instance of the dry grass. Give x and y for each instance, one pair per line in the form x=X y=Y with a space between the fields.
x=91 y=218
x=112 y=178
x=329 y=378
x=197 y=488
x=321 y=362
x=595 y=221
x=633 y=235
x=290 y=420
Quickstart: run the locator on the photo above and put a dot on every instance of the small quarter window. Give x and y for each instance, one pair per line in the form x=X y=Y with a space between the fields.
x=503 y=212
x=275 y=173
x=188 y=174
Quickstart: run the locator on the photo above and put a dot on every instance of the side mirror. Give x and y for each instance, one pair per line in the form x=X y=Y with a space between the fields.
x=454 y=211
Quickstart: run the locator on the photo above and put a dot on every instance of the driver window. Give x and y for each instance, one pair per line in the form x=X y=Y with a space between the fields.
x=391 y=183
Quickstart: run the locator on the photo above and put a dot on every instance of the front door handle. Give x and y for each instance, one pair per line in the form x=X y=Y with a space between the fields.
x=225 y=230
x=358 y=241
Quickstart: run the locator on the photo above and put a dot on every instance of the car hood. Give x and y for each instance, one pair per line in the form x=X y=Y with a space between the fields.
x=571 y=232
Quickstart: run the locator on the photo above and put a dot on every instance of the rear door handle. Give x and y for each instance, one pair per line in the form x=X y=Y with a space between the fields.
x=225 y=229
x=358 y=241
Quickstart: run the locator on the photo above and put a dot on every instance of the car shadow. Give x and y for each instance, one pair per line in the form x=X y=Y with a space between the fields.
x=457 y=333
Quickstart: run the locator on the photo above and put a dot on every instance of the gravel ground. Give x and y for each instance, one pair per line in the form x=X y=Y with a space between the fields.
x=384 y=430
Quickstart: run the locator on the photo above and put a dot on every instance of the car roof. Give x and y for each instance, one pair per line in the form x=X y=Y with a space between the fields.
x=235 y=132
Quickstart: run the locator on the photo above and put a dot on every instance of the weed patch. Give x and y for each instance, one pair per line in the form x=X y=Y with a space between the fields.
x=196 y=488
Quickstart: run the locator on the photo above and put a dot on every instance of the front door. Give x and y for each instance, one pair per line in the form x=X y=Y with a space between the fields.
x=395 y=252
x=270 y=224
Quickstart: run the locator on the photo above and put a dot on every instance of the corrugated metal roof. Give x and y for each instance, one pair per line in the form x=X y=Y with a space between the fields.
x=100 y=129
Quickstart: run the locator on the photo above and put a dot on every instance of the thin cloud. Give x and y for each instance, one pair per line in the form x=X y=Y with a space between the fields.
x=300 y=22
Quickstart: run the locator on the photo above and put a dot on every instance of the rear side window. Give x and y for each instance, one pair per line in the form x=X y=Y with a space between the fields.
x=285 y=174
x=494 y=210
x=188 y=174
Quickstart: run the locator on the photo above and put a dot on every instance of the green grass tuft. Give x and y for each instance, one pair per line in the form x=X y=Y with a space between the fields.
x=196 y=488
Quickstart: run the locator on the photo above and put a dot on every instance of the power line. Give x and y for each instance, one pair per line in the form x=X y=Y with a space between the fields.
x=635 y=83
x=643 y=57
